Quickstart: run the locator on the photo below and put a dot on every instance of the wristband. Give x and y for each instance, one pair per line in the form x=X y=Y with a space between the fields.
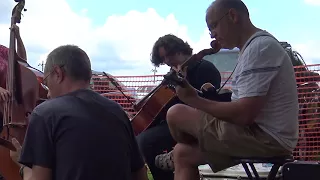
x=21 y=171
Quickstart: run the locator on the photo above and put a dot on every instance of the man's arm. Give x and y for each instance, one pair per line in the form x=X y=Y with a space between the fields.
x=140 y=174
x=21 y=50
x=37 y=150
x=241 y=112
x=27 y=173
x=252 y=84
x=138 y=169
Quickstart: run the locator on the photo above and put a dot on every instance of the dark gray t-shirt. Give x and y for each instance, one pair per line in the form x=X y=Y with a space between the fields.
x=81 y=136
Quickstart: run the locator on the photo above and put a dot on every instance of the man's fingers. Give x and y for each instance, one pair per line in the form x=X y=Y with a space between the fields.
x=16 y=143
x=5 y=96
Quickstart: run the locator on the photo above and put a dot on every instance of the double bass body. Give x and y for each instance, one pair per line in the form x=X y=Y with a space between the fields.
x=31 y=93
x=24 y=84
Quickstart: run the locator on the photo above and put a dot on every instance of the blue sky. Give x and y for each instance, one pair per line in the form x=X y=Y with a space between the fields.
x=291 y=20
x=118 y=35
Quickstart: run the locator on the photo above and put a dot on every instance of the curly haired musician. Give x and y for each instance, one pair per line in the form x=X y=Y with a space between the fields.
x=262 y=118
x=172 y=51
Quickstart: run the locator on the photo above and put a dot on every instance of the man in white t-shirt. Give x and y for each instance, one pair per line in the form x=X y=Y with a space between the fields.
x=261 y=120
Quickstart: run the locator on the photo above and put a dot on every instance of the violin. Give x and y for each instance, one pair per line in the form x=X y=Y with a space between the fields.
x=152 y=104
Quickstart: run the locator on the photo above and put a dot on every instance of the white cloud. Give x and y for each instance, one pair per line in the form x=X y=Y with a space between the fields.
x=122 y=41
x=127 y=38
x=313 y=2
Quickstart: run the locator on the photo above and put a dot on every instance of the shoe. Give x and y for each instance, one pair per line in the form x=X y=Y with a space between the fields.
x=165 y=161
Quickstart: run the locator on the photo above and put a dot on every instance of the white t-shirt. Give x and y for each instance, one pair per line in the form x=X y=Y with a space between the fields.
x=265 y=69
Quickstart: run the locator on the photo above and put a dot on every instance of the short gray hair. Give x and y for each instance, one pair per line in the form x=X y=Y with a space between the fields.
x=74 y=61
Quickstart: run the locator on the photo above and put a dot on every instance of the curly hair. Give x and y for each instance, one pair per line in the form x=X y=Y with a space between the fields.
x=172 y=44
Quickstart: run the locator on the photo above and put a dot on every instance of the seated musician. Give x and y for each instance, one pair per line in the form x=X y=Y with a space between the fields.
x=78 y=134
x=262 y=118
x=172 y=51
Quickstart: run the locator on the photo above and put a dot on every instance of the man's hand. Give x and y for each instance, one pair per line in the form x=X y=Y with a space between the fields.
x=4 y=95
x=15 y=155
x=187 y=93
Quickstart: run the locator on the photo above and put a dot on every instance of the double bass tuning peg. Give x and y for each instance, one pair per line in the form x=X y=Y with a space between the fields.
x=24 y=9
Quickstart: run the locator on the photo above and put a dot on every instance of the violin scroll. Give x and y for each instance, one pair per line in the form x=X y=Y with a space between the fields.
x=215 y=45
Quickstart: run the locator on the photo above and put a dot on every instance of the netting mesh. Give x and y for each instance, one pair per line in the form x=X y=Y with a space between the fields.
x=308 y=148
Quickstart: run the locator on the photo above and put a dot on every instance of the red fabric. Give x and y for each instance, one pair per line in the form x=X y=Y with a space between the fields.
x=4 y=55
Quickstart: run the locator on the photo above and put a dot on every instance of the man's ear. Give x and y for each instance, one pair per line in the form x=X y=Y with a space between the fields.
x=233 y=15
x=60 y=74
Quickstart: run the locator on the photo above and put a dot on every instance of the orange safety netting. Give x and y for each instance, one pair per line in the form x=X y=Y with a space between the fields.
x=308 y=81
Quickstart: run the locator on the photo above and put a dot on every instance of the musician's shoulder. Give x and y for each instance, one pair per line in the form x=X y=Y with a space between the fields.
x=206 y=63
x=262 y=48
x=48 y=106
x=264 y=41
x=206 y=66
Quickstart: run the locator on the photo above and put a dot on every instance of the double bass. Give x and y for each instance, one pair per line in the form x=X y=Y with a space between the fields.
x=152 y=104
x=24 y=84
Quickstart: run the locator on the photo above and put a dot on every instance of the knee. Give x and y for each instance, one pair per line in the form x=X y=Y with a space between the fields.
x=181 y=152
x=187 y=155
x=174 y=114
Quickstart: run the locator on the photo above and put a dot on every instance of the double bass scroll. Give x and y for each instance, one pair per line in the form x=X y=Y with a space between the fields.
x=152 y=104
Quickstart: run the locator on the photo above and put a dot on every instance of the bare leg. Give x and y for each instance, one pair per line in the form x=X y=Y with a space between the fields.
x=184 y=123
x=186 y=161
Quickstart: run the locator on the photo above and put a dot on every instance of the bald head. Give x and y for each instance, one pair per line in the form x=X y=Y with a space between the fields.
x=224 y=5
x=228 y=21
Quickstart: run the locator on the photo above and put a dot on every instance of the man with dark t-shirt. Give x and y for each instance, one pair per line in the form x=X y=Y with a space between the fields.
x=78 y=134
x=172 y=51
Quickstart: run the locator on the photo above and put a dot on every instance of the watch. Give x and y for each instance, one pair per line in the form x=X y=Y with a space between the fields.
x=21 y=171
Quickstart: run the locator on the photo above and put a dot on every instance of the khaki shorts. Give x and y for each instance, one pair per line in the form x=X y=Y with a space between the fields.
x=220 y=140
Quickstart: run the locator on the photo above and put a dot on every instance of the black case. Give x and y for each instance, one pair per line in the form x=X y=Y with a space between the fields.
x=301 y=170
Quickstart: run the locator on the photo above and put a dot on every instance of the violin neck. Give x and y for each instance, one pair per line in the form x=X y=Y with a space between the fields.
x=187 y=62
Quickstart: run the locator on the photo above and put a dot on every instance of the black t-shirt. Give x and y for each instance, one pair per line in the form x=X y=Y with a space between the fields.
x=81 y=136
x=197 y=75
